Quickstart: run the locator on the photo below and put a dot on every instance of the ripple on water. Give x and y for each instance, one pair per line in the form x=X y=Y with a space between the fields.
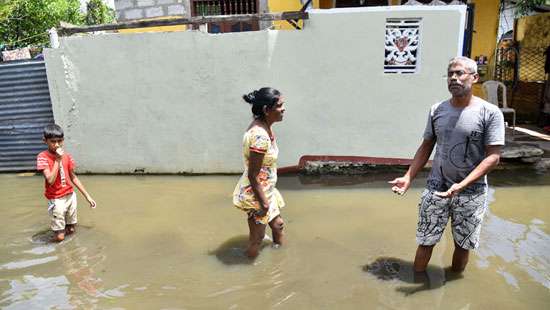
x=47 y=236
x=28 y=263
x=39 y=250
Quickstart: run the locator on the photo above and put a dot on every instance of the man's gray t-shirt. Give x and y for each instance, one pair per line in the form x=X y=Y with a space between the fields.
x=461 y=136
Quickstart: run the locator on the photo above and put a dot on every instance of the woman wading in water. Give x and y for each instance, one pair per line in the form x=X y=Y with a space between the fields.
x=256 y=193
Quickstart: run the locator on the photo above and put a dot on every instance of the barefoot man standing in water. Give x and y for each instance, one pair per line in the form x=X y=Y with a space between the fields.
x=469 y=133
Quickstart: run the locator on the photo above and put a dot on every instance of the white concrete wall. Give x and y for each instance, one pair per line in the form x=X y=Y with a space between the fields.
x=171 y=102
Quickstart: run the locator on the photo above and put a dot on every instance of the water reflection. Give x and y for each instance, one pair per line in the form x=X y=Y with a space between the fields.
x=79 y=266
x=32 y=292
x=27 y=263
x=390 y=268
x=346 y=180
x=523 y=246
x=78 y=286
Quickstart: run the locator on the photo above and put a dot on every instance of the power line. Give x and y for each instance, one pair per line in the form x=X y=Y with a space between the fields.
x=25 y=39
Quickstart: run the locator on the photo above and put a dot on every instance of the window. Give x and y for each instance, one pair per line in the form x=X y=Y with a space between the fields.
x=226 y=7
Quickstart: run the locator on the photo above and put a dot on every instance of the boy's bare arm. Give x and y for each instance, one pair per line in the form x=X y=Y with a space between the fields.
x=51 y=175
x=81 y=188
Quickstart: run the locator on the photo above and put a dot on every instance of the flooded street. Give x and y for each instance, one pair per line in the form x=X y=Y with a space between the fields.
x=175 y=242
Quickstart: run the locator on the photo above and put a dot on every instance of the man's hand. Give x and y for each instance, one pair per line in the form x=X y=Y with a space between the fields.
x=91 y=202
x=451 y=192
x=400 y=185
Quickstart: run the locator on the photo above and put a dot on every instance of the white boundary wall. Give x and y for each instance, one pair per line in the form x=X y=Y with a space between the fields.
x=171 y=102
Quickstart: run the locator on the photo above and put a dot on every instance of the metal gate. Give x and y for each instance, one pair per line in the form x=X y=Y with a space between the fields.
x=506 y=65
x=25 y=108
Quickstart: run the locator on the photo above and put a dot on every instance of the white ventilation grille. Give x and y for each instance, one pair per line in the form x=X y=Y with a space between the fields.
x=402 y=48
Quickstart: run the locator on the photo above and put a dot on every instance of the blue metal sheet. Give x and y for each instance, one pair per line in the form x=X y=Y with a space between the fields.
x=25 y=109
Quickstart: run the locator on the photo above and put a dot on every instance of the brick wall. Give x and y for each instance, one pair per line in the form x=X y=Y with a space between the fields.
x=147 y=9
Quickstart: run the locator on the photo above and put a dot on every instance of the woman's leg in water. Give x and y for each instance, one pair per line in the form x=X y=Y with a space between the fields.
x=257 y=233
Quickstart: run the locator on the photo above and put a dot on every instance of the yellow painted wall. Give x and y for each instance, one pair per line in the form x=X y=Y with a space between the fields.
x=486 y=27
x=156 y=29
x=287 y=5
x=484 y=39
x=533 y=33
x=534 y=30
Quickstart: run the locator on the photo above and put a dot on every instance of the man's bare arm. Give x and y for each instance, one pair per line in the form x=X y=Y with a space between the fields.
x=401 y=185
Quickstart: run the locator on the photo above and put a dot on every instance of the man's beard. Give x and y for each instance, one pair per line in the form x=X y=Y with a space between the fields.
x=459 y=90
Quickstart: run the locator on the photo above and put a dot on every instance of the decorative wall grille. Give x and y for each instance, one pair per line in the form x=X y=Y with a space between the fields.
x=402 y=45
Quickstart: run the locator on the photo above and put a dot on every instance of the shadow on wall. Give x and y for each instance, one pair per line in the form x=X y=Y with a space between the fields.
x=390 y=268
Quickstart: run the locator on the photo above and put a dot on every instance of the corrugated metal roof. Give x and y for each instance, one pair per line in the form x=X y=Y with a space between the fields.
x=25 y=109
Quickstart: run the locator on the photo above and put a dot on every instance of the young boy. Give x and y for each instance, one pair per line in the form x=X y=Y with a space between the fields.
x=58 y=168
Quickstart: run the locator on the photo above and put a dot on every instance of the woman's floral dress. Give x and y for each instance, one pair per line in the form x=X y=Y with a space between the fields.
x=256 y=139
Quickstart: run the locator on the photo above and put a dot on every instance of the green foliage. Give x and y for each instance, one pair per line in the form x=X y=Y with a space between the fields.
x=6 y=6
x=99 y=13
x=524 y=7
x=25 y=22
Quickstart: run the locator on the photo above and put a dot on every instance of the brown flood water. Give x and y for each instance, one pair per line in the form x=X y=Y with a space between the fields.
x=174 y=242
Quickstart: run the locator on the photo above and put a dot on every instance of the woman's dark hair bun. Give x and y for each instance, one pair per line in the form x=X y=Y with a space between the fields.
x=250 y=97
x=264 y=97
